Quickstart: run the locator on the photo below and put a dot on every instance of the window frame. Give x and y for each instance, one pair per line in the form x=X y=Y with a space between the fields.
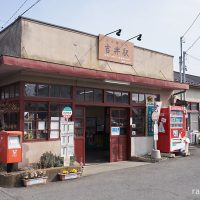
x=47 y=120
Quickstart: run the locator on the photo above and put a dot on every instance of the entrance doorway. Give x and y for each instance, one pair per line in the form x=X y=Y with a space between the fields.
x=97 y=135
x=101 y=134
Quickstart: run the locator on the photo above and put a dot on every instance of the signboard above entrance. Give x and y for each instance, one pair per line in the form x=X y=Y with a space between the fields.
x=115 y=50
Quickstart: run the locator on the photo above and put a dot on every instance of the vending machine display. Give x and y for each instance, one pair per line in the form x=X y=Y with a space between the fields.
x=172 y=129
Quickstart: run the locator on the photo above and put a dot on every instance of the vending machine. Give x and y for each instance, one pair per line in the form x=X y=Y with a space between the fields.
x=172 y=129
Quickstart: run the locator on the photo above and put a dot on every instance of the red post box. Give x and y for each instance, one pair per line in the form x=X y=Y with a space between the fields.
x=10 y=147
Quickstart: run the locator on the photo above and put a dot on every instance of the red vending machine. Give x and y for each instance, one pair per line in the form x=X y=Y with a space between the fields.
x=172 y=129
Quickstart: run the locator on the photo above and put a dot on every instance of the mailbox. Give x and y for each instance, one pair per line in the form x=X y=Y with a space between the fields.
x=10 y=147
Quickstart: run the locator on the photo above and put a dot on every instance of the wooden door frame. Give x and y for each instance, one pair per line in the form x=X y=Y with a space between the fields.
x=128 y=143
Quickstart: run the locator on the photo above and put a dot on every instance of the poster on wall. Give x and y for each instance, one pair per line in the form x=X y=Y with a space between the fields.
x=41 y=125
x=115 y=130
x=54 y=134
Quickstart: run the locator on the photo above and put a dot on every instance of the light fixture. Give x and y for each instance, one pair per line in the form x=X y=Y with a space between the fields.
x=118 y=32
x=117 y=82
x=139 y=37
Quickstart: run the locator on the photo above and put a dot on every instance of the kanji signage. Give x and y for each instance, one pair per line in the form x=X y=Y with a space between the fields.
x=115 y=50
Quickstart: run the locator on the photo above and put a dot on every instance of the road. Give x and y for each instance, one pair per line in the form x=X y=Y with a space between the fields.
x=173 y=179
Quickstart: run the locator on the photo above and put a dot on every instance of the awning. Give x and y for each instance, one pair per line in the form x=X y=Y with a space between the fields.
x=9 y=64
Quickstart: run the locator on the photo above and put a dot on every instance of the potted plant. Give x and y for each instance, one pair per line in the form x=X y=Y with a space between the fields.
x=67 y=174
x=34 y=177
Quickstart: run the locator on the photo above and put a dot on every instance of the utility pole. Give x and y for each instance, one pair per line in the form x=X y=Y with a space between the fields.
x=181 y=63
x=184 y=69
x=181 y=58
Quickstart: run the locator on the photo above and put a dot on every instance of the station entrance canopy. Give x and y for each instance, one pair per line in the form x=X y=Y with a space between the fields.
x=10 y=65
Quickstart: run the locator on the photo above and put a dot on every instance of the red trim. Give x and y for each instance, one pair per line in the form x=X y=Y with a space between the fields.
x=42 y=66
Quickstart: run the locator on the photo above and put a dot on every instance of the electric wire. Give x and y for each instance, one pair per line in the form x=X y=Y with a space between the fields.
x=14 y=14
x=191 y=24
x=193 y=44
x=30 y=7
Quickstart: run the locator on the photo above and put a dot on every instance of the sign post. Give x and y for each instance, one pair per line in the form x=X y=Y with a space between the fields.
x=155 y=117
x=67 y=113
x=67 y=136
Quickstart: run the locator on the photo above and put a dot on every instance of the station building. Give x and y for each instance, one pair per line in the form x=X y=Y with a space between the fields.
x=192 y=98
x=109 y=84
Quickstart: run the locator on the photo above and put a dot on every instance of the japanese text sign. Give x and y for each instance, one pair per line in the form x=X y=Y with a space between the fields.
x=115 y=50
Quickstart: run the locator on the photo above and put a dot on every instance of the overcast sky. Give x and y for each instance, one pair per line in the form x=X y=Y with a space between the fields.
x=162 y=22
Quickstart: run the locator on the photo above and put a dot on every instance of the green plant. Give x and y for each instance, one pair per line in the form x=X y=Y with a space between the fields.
x=48 y=160
x=33 y=174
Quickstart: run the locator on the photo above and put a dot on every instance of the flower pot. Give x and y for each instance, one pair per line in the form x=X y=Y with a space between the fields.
x=35 y=181
x=63 y=177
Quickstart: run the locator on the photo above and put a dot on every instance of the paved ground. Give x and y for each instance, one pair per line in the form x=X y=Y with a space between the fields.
x=92 y=169
x=177 y=179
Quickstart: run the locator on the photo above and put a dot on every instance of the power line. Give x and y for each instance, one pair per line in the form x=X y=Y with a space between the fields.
x=193 y=44
x=30 y=7
x=14 y=14
x=191 y=24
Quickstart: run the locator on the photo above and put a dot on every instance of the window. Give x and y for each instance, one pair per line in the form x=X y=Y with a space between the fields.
x=11 y=120
x=89 y=94
x=139 y=98
x=193 y=116
x=42 y=120
x=65 y=91
x=45 y=90
x=110 y=96
x=35 y=121
x=98 y=95
x=125 y=97
x=55 y=114
x=138 y=121
x=140 y=111
x=117 y=97
x=135 y=98
x=79 y=122
x=10 y=91
x=194 y=121
x=80 y=94
x=119 y=119
x=30 y=89
x=54 y=90
x=194 y=106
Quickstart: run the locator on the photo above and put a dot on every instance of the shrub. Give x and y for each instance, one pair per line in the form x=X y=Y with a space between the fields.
x=48 y=160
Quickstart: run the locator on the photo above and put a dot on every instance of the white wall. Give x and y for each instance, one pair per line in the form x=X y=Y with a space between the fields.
x=141 y=145
x=31 y=151
x=60 y=45
x=193 y=94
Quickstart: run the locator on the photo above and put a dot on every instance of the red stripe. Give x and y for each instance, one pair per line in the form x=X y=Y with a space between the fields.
x=41 y=66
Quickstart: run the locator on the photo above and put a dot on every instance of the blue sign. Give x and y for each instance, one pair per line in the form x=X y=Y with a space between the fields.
x=150 y=109
x=115 y=130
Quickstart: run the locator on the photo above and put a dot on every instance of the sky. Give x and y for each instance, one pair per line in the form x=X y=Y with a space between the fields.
x=161 y=22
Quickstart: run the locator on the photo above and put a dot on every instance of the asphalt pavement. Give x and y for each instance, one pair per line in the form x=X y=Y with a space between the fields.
x=173 y=179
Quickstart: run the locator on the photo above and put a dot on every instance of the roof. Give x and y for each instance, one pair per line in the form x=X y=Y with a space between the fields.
x=9 y=64
x=72 y=30
x=190 y=79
